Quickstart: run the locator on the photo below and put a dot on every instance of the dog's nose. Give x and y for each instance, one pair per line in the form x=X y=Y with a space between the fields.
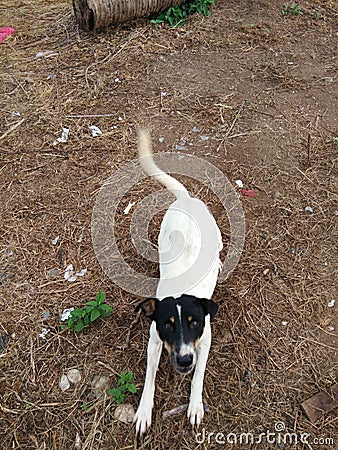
x=184 y=361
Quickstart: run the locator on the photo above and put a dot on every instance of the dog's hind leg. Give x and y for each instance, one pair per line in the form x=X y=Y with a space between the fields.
x=195 y=408
x=142 y=417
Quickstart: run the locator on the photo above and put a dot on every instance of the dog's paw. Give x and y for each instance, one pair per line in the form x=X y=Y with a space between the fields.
x=195 y=412
x=142 y=419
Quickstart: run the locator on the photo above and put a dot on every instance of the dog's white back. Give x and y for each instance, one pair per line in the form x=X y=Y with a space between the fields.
x=189 y=244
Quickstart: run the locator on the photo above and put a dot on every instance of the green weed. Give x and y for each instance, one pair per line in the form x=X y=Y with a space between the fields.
x=293 y=9
x=124 y=386
x=94 y=309
x=176 y=16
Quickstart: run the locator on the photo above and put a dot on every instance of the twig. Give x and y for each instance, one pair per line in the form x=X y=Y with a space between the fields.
x=308 y=149
x=79 y=116
x=180 y=409
x=12 y=128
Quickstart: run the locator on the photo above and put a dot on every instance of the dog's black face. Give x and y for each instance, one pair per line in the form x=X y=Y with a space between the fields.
x=180 y=324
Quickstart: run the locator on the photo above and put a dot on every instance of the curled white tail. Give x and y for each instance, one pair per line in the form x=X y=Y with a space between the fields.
x=150 y=168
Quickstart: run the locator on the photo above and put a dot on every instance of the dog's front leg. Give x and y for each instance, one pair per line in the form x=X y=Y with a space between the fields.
x=195 y=409
x=142 y=417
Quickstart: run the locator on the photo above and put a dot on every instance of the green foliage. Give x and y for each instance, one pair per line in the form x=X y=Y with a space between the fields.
x=293 y=9
x=176 y=16
x=335 y=139
x=124 y=386
x=317 y=15
x=94 y=309
x=84 y=407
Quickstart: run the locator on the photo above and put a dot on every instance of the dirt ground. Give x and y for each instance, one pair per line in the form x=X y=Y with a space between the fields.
x=262 y=86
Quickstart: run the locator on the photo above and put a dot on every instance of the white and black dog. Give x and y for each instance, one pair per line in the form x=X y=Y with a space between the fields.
x=189 y=244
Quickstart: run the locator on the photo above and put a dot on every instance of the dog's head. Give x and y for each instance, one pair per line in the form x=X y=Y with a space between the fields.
x=180 y=324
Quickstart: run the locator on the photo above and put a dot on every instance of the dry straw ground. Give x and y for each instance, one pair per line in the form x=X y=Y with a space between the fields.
x=262 y=86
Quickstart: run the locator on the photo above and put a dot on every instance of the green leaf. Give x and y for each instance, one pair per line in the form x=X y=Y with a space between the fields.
x=117 y=394
x=100 y=296
x=105 y=310
x=95 y=314
x=106 y=307
x=129 y=377
x=79 y=326
x=84 y=406
x=92 y=303
x=77 y=312
x=86 y=320
x=106 y=313
x=132 y=388
x=122 y=377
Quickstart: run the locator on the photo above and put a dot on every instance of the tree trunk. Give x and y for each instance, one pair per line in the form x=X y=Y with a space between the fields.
x=93 y=14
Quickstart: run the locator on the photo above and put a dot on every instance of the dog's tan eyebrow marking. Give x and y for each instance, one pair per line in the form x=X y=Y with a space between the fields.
x=189 y=318
x=172 y=319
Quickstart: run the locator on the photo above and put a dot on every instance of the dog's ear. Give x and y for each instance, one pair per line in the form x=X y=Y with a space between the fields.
x=148 y=307
x=209 y=306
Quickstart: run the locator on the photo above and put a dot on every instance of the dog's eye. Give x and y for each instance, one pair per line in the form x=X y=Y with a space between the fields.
x=168 y=326
x=194 y=324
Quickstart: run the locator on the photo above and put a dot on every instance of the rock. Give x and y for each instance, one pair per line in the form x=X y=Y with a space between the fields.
x=321 y=403
x=100 y=385
x=64 y=383
x=308 y=209
x=54 y=273
x=4 y=338
x=124 y=413
x=74 y=376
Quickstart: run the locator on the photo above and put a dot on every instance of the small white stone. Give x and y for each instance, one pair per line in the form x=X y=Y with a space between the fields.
x=239 y=183
x=55 y=241
x=82 y=273
x=308 y=209
x=64 y=383
x=128 y=208
x=95 y=131
x=74 y=376
x=124 y=413
x=43 y=333
x=284 y=322
x=331 y=303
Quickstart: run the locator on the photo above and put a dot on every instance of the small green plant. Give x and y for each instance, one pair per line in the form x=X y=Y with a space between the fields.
x=177 y=15
x=293 y=9
x=94 y=309
x=84 y=407
x=335 y=139
x=124 y=386
x=317 y=15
